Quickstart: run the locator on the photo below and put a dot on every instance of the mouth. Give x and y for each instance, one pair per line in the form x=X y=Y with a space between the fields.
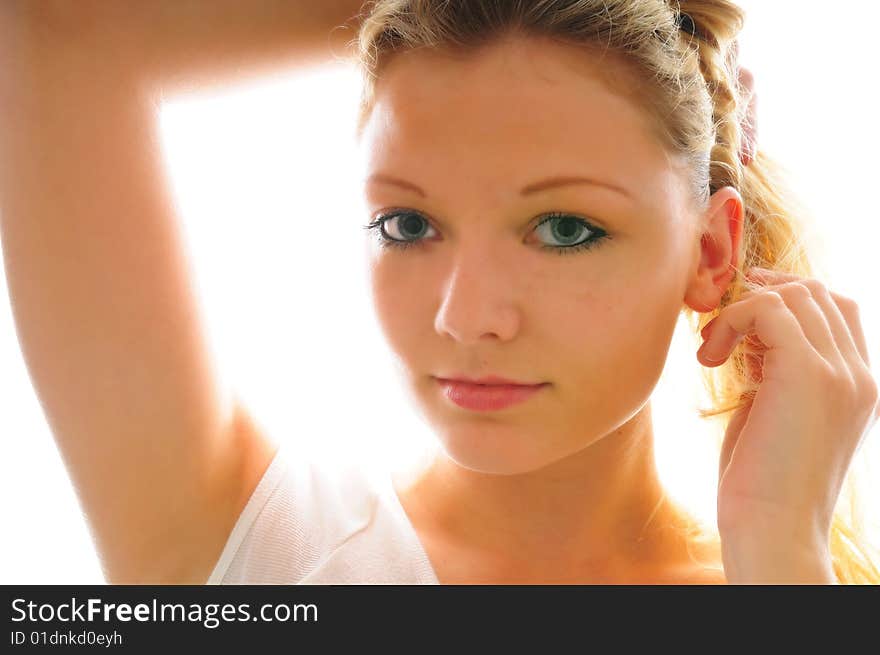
x=487 y=394
x=494 y=380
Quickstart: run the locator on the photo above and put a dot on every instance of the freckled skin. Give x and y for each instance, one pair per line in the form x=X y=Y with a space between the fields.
x=480 y=295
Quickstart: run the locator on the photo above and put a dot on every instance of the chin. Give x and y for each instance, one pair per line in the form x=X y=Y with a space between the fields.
x=493 y=443
x=496 y=449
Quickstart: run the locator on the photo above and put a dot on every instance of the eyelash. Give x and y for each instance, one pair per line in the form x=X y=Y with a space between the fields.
x=596 y=239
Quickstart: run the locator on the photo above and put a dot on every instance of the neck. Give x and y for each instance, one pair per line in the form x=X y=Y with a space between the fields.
x=602 y=507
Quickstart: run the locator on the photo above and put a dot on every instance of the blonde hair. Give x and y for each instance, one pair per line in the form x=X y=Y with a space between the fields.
x=690 y=90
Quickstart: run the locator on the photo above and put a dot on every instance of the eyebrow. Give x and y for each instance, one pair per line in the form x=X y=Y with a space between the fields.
x=536 y=187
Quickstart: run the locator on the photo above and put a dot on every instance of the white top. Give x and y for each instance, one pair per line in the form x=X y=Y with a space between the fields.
x=307 y=524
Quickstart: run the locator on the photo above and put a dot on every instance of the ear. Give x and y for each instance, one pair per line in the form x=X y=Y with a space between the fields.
x=716 y=254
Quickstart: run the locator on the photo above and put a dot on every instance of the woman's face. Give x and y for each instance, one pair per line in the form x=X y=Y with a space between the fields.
x=481 y=290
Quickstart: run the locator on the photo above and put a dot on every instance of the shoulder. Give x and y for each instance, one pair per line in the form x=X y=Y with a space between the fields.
x=301 y=510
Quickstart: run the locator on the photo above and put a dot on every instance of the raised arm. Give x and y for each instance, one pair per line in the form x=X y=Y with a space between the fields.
x=161 y=456
x=194 y=43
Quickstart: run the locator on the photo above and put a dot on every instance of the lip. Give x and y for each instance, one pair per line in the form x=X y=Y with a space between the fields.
x=489 y=379
x=487 y=395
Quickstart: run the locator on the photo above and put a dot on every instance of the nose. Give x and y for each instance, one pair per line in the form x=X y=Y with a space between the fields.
x=479 y=299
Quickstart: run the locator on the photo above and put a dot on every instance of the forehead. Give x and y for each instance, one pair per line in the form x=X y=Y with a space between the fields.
x=521 y=108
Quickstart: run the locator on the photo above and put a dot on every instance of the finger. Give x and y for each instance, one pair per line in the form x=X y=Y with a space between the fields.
x=840 y=326
x=842 y=314
x=769 y=317
x=815 y=324
x=849 y=309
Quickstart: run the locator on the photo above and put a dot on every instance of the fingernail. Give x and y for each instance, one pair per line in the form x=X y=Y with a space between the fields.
x=706 y=353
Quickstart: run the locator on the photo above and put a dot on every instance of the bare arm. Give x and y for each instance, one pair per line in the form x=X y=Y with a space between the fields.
x=162 y=458
x=184 y=43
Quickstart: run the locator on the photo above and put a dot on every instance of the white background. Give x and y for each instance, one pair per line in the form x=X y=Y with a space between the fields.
x=265 y=178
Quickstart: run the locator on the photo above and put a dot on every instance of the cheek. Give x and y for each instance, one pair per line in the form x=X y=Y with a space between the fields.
x=592 y=327
x=611 y=340
x=401 y=301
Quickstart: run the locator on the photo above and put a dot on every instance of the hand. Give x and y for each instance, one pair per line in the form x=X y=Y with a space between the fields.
x=786 y=453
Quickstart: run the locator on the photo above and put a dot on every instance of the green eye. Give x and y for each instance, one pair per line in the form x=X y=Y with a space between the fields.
x=569 y=230
x=404 y=228
x=574 y=233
